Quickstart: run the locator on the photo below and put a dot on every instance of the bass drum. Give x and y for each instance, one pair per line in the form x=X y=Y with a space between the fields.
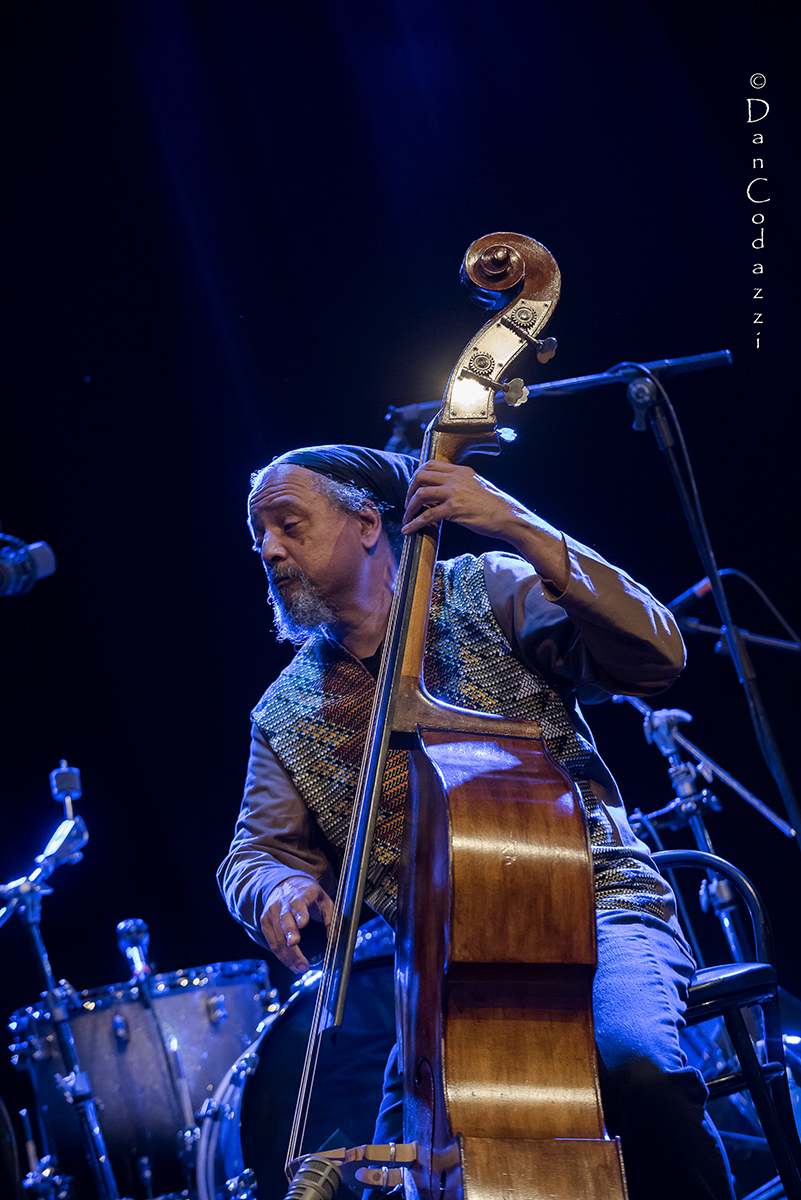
x=246 y=1127
x=202 y=1017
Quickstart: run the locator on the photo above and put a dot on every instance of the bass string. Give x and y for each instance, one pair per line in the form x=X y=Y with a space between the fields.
x=335 y=970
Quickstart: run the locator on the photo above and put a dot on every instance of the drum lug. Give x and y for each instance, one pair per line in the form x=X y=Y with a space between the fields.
x=211 y=1110
x=188 y=1139
x=269 y=1001
x=215 y=1006
x=23 y=1053
x=145 y=1172
x=241 y=1187
x=24 y=1049
x=245 y=1066
x=120 y=1027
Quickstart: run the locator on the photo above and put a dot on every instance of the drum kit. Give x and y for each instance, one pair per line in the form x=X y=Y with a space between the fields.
x=181 y=1084
x=153 y=1060
x=236 y=1054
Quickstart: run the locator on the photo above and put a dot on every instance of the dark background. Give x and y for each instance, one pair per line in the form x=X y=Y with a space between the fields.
x=236 y=228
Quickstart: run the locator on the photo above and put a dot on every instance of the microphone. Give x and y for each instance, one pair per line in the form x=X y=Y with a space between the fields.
x=22 y=564
x=693 y=593
x=318 y=1178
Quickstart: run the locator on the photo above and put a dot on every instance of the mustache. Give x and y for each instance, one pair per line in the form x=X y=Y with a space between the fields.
x=280 y=573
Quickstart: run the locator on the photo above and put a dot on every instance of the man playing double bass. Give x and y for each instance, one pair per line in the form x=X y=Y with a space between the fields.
x=523 y=632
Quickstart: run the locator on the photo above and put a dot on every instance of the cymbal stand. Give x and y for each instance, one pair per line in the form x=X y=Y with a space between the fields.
x=43 y=1178
x=133 y=940
x=25 y=896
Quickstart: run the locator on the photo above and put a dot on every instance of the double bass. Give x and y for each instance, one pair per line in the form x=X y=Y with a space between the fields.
x=495 y=946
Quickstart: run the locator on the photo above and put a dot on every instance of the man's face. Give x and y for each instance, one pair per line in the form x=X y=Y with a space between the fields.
x=311 y=550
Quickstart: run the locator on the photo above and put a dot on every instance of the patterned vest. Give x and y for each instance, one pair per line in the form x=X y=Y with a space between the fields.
x=315 y=714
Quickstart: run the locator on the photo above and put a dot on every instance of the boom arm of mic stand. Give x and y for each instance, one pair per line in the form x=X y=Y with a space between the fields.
x=736 y=786
x=691 y=625
x=705 y=761
x=627 y=371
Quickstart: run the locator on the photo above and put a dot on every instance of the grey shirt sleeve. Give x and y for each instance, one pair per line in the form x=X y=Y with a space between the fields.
x=274 y=839
x=604 y=634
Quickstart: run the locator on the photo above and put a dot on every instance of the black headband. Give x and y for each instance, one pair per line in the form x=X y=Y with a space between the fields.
x=383 y=475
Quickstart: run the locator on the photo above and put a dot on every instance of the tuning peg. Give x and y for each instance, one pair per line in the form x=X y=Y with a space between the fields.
x=547 y=349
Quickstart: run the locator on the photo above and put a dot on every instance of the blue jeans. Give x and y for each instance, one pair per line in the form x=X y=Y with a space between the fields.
x=652 y=1099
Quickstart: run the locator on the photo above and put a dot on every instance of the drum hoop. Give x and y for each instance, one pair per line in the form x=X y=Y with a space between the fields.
x=166 y=983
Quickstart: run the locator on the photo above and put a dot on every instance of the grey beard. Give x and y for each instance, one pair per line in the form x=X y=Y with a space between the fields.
x=304 y=614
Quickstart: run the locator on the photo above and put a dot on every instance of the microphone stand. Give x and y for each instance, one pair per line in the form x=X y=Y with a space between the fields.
x=688 y=809
x=650 y=402
x=25 y=895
